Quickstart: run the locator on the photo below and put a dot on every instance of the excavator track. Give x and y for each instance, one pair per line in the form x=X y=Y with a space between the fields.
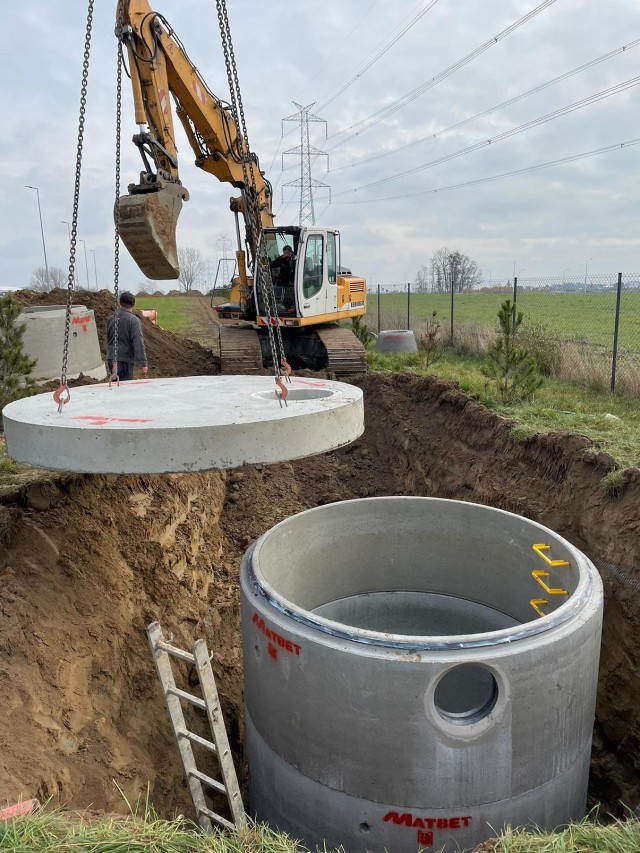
x=240 y=351
x=345 y=353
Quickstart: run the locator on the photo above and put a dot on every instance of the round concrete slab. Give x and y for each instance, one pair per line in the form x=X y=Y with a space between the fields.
x=182 y=424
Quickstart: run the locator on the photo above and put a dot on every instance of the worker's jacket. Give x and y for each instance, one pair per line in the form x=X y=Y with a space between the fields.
x=130 y=340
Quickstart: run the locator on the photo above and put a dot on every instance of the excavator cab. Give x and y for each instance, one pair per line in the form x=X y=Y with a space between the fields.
x=147 y=219
x=316 y=291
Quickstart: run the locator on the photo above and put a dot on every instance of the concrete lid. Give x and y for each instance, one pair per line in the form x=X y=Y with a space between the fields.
x=182 y=424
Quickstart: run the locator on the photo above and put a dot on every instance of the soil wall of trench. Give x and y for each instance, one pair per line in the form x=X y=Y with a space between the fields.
x=89 y=561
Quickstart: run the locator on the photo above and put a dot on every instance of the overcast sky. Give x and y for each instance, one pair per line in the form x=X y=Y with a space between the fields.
x=546 y=222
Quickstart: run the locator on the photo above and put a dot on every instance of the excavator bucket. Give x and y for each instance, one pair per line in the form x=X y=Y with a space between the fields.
x=148 y=229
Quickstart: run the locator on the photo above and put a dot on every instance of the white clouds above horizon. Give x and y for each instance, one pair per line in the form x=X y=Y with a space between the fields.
x=548 y=220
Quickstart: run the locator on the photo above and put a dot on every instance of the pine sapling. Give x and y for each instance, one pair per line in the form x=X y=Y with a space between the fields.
x=430 y=341
x=361 y=331
x=511 y=367
x=15 y=366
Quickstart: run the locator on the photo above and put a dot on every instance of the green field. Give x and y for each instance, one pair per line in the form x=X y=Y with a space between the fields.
x=174 y=312
x=568 y=316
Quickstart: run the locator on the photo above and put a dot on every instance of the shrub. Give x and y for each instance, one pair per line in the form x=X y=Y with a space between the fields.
x=361 y=331
x=15 y=366
x=545 y=349
x=430 y=340
x=511 y=367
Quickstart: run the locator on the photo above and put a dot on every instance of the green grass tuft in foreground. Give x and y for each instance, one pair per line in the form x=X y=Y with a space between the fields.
x=57 y=832
x=584 y=837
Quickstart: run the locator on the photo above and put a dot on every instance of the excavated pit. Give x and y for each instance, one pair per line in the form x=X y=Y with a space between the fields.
x=87 y=562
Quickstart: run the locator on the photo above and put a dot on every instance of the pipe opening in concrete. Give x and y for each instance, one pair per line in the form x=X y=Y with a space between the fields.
x=298 y=394
x=466 y=694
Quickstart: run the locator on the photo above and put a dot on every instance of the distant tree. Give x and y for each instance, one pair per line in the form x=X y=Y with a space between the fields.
x=191 y=268
x=453 y=270
x=15 y=365
x=423 y=279
x=39 y=281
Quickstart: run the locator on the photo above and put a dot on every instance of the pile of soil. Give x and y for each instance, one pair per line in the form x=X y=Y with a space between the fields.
x=92 y=560
x=167 y=354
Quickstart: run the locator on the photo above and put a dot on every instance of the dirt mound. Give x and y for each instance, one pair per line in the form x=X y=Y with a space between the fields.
x=158 y=293
x=167 y=354
x=142 y=293
x=92 y=560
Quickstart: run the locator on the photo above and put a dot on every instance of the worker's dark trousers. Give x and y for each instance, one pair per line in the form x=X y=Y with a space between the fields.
x=125 y=370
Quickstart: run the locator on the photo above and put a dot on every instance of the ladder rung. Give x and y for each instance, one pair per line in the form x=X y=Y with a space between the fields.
x=197 y=739
x=218 y=818
x=176 y=652
x=182 y=694
x=212 y=783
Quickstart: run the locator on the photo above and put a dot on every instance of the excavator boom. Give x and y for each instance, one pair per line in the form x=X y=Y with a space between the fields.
x=300 y=303
x=161 y=72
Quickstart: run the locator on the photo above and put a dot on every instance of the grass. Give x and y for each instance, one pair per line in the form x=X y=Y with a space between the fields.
x=569 y=316
x=57 y=832
x=10 y=472
x=584 y=837
x=174 y=312
x=557 y=405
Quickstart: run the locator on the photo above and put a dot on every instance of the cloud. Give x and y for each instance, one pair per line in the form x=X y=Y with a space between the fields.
x=549 y=219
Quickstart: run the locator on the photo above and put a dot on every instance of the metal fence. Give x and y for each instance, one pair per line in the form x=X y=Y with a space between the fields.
x=585 y=330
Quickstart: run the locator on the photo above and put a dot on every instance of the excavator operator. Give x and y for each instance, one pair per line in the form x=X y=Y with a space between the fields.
x=284 y=281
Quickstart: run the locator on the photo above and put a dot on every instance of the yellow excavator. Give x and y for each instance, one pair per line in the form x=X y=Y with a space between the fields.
x=306 y=308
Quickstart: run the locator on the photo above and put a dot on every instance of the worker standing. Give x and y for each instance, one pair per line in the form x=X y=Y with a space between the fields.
x=131 y=352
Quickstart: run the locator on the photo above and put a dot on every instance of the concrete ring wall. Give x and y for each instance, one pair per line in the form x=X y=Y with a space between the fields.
x=396 y=340
x=367 y=729
x=44 y=337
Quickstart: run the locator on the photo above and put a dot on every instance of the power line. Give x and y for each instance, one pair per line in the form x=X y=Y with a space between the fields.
x=572 y=158
x=584 y=102
x=380 y=54
x=379 y=116
x=497 y=107
x=340 y=44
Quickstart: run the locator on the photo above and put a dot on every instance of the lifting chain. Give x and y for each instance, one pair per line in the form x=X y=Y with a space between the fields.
x=62 y=394
x=263 y=282
x=116 y=254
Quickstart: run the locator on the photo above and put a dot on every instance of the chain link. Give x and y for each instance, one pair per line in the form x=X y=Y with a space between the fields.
x=116 y=253
x=74 y=218
x=263 y=283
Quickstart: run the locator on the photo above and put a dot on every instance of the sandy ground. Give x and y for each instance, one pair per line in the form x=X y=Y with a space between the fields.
x=89 y=561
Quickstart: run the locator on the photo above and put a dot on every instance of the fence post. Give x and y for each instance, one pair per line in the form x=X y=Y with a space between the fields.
x=378 y=309
x=614 y=358
x=408 y=305
x=451 y=311
x=515 y=295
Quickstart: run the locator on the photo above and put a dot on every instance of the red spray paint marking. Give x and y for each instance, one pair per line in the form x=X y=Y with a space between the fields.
x=101 y=420
x=275 y=640
x=425 y=838
x=312 y=383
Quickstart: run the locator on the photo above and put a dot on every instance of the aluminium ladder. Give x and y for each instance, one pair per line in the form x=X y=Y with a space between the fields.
x=162 y=652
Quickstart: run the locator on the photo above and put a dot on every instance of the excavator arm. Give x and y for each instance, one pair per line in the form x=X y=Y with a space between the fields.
x=161 y=72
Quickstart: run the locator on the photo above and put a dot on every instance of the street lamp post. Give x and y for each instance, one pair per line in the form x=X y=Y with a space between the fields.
x=75 y=268
x=586 y=265
x=95 y=268
x=86 y=262
x=44 y=247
